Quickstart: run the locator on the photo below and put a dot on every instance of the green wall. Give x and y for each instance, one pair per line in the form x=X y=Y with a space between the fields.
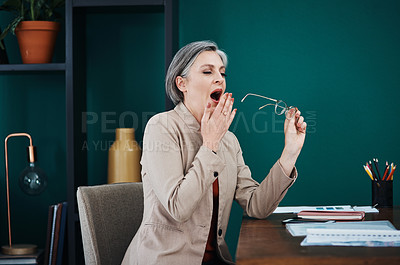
x=338 y=61
x=125 y=75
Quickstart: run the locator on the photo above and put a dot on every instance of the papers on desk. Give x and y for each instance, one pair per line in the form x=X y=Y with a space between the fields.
x=351 y=237
x=366 y=233
x=366 y=209
x=296 y=209
x=300 y=229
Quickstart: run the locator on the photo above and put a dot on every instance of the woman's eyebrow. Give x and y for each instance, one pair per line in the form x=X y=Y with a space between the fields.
x=207 y=65
x=212 y=66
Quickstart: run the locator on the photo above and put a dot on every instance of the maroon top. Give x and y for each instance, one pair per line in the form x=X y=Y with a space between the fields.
x=210 y=253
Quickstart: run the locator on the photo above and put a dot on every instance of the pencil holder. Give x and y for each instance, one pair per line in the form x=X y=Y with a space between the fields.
x=382 y=193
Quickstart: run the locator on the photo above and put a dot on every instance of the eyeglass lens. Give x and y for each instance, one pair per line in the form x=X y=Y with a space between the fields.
x=280 y=107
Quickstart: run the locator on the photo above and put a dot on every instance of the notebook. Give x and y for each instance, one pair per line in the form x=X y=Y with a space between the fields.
x=332 y=215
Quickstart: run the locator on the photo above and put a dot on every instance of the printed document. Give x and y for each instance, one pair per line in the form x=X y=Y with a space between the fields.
x=300 y=229
x=352 y=237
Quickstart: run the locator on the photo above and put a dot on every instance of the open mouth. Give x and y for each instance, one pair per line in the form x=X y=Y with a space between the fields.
x=215 y=95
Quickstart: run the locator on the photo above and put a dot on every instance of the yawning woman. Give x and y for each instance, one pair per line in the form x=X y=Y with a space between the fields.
x=193 y=168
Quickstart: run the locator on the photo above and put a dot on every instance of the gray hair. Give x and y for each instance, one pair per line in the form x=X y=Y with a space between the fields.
x=182 y=62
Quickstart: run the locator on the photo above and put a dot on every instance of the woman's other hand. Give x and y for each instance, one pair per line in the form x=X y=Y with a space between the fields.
x=295 y=132
x=216 y=121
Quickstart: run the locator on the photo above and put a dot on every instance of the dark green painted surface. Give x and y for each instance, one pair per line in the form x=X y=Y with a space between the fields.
x=338 y=61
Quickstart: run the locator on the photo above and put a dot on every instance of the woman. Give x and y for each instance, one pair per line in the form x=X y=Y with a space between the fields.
x=193 y=169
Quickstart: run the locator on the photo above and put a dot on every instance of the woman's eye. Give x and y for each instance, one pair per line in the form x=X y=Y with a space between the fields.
x=210 y=72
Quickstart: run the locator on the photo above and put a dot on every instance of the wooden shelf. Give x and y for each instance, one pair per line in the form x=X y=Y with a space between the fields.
x=32 y=67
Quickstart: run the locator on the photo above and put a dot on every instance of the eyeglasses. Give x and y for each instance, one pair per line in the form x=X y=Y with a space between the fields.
x=280 y=106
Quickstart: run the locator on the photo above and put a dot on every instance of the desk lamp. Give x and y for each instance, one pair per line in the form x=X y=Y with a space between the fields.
x=32 y=181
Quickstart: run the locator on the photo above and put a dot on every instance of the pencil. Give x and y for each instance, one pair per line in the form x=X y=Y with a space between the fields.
x=368 y=172
x=391 y=173
x=386 y=170
x=377 y=167
x=372 y=171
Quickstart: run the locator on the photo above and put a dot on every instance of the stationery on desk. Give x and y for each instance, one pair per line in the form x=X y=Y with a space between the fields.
x=364 y=233
x=376 y=176
x=300 y=229
x=332 y=215
x=345 y=233
x=382 y=184
x=352 y=237
x=317 y=223
x=338 y=208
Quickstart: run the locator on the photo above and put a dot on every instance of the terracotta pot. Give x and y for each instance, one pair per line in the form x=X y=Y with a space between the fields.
x=36 y=40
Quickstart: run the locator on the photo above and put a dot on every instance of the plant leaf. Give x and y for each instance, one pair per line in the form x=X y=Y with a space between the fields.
x=11 y=27
x=4 y=33
x=39 y=8
x=15 y=22
x=33 y=9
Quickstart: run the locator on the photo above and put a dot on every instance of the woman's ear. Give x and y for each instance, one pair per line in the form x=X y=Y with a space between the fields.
x=180 y=83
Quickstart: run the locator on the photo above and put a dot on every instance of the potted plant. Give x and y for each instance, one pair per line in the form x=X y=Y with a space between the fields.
x=35 y=26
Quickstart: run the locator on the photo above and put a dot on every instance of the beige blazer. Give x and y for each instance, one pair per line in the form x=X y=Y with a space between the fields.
x=177 y=174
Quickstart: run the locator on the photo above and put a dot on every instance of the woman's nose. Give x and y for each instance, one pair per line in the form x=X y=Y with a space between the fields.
x=219 y=78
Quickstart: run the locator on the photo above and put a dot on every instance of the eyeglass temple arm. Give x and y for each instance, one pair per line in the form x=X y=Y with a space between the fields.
x=269 y=104
x=251 y=94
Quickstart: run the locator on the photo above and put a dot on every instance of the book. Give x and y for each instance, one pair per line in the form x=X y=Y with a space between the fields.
x=48 y=237
x=332 y=215
x=53 y=228
x=56 y=234
x=61 y=237
x=36 y=258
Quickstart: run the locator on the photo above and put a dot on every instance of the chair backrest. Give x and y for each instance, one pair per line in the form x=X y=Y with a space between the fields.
x=109 y=216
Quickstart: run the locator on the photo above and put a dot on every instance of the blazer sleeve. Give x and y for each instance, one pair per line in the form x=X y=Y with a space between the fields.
x=259 y=200
x=162 y=162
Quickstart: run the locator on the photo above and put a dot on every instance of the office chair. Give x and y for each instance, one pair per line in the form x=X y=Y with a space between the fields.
x=109 y=216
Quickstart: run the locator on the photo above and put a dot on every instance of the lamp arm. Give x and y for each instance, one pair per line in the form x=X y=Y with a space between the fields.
x=7 y=182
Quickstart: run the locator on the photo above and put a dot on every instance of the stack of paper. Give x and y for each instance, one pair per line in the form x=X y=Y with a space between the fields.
x=351 y=237
x=300 y=229
x=366 y=233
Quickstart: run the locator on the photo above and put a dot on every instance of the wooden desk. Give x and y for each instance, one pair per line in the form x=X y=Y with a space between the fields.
x=268 y=242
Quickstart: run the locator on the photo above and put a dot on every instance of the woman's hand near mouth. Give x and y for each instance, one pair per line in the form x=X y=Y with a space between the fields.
x=216 y=121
